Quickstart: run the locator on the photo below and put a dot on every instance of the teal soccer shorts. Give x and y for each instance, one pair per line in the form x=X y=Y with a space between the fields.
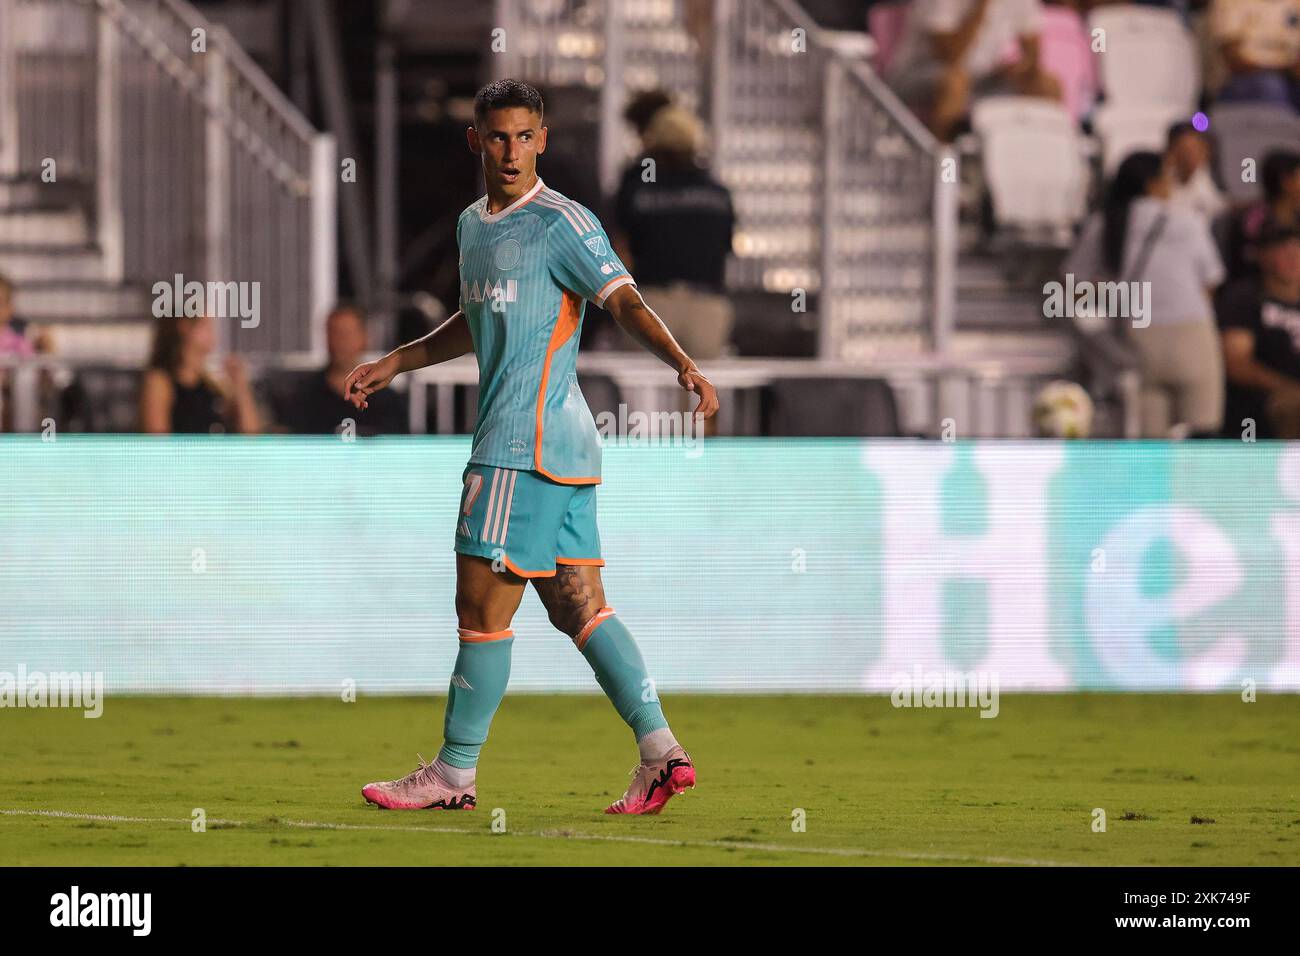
x=527 y=521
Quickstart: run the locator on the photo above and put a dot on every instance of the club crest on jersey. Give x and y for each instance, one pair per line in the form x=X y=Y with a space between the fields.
x=596 y=244
x=503 y=290
x=507 y=254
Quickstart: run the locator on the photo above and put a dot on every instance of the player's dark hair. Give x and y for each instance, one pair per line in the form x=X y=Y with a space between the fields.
x=1131 y=182
x=503 y=94
x=1276 y=170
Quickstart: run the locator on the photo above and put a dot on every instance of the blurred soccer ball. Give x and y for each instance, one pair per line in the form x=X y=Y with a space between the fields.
x=1062 y=410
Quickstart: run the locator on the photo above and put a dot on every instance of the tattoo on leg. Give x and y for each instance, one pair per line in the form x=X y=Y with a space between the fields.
x=569 y=600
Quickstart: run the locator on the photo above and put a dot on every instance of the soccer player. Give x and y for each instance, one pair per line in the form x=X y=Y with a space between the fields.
x=529 y=258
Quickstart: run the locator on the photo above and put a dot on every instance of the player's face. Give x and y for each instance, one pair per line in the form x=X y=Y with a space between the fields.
x=509 y=140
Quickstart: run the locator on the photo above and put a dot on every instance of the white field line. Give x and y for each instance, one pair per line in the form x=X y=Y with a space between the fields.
x=852 y=852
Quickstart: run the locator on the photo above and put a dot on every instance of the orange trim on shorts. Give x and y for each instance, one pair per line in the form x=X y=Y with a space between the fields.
x=520 y=572
x=591 y=562
x=566 y=324
x=595 y=622
x=480 y=637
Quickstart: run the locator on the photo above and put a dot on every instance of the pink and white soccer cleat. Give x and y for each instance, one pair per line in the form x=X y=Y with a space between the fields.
x=655 y=783
x=420 y=789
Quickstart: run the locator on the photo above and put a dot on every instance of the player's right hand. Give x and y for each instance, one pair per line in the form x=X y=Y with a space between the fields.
x=366 y=379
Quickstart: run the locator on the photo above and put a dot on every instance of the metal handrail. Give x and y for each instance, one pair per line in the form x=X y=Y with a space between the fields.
x=248 y=71
x=192 y=84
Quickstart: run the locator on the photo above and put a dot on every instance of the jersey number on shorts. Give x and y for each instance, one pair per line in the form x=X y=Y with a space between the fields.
x=473 y=485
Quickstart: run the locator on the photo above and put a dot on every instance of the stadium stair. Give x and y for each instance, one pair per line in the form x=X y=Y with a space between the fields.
x=48 y=252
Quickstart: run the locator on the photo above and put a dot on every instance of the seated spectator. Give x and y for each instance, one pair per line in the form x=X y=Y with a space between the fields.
x=674 y=233
x=1143 y=240
x=1260 y=42
x=179 y=396
x=1187 y=156
x=17 y=338
x=318 y=408
x=952 y=54
x=1260 y=321
x=17 y=335
x=1280 y=177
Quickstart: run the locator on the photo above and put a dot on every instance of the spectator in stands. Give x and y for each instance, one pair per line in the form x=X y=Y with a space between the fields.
x=641 y=109
x=952 y=53
x=1279 y=174
x=318 y=408
x=13 y=330
x=1187 y=156
x=17 y=338
x=1260 y=42
x=1140 y=237
x=179 y=396
x=674 y=226
x=1260 y=319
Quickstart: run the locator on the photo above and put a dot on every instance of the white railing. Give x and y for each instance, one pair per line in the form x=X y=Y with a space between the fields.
x=198 y=164
x=991 y=397
x=840 y=189
x=830 y=174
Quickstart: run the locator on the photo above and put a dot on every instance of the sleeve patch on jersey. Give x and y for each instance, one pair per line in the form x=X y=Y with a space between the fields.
x=596 y=244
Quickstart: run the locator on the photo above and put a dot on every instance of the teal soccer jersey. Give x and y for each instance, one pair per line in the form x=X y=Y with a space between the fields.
x=526 y=274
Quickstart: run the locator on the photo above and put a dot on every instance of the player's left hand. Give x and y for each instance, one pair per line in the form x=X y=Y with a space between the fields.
x=693 y=380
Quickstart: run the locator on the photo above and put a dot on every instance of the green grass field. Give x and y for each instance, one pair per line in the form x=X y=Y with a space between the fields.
x=878 y=785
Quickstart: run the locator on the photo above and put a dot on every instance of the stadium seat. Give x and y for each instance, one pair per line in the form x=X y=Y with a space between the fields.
x=1250 y=131
x=1128 y=128
x=826 y=407
x=886 y=23
x=1033 y=164
x=1150 y=57
x=100 y=399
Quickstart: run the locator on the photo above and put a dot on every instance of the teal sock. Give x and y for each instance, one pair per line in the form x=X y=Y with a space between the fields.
x=621 y=672
x=478 y=683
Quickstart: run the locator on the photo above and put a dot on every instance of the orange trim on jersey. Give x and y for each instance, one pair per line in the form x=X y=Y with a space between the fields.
x=480 y=637
x=581 y=638
x=566 y=324
x=564 y=481
x=592 y=562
